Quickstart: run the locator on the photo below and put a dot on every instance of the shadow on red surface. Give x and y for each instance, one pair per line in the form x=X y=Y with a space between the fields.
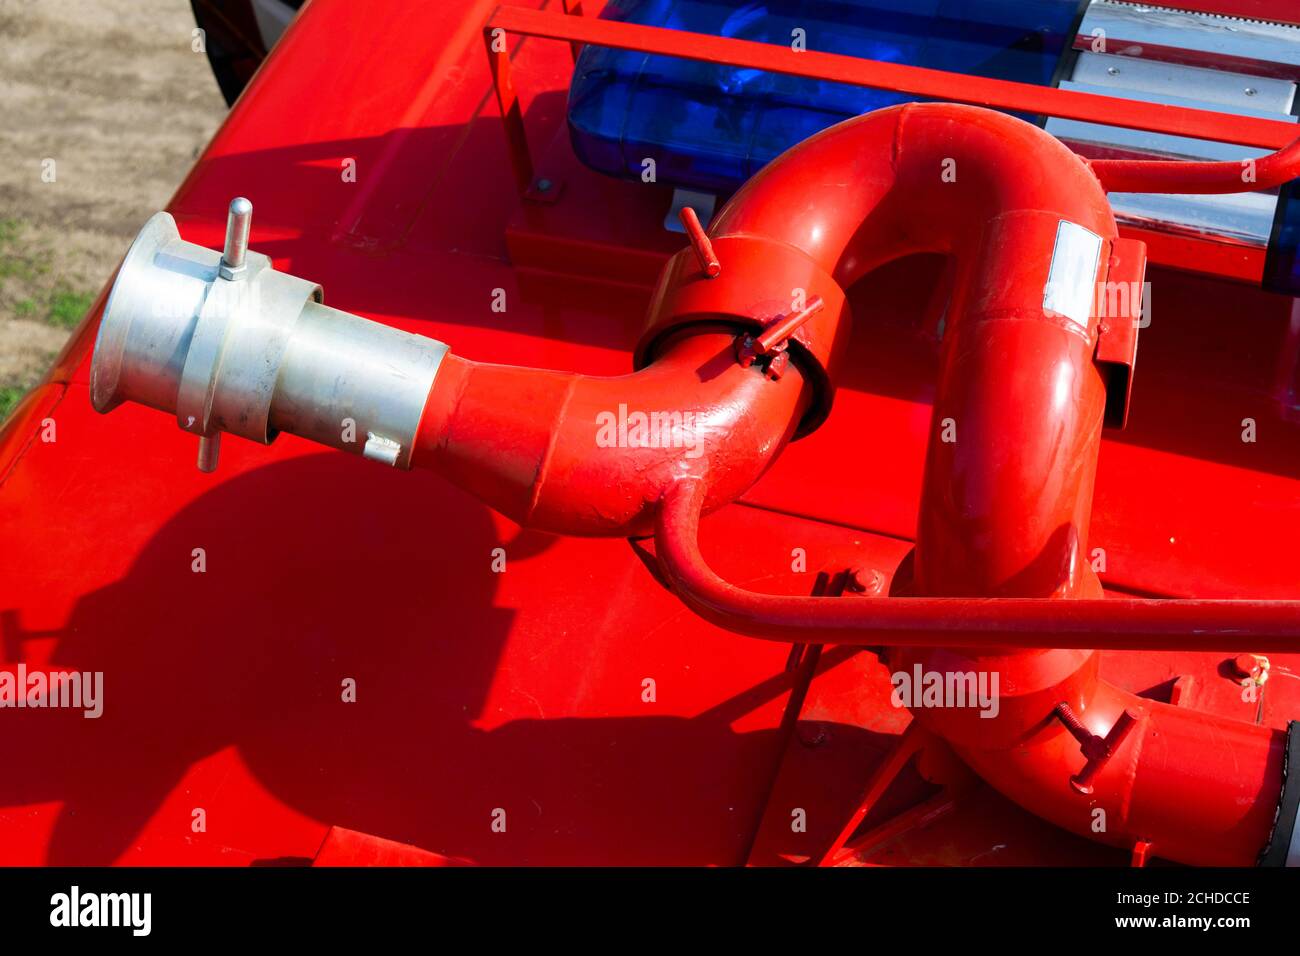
x=252 y=654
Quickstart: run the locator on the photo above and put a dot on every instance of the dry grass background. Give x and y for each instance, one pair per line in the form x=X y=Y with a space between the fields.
x=112 y=92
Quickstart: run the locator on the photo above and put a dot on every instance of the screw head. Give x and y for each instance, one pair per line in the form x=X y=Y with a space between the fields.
x=1250 y=665
x=776 y=367
x=866 y=581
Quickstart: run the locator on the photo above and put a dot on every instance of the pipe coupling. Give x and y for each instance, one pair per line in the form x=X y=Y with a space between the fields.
x=762 y=283
x=253 y=352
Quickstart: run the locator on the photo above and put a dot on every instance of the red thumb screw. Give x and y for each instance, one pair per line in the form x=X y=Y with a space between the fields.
x=1096 y=749
x=700 y=243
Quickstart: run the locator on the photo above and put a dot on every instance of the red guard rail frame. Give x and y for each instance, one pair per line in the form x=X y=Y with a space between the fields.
x=1229 y=261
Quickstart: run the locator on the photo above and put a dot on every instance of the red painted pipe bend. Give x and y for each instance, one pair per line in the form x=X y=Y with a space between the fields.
x=1009 y=472
x=586 y=455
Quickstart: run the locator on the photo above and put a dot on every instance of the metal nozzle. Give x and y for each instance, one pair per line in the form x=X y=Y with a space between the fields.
x=228 y=344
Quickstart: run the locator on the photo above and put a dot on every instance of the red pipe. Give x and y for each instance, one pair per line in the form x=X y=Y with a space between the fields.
x=586 y=455
x=1010 y=622
x=1159 y=176
x=1009 y=472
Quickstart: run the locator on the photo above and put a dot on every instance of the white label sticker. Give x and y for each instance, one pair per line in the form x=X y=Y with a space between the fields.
x=1072 y=278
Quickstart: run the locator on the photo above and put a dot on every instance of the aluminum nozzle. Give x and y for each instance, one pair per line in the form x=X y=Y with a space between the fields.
x=256 y=354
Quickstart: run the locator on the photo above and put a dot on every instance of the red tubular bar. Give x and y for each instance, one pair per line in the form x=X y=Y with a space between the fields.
x=1244 y=264
x=1202 y=789
x=1008 y=622
x=918 y=81
x=1139 y=176
x=1152 y=176
x=512 y=117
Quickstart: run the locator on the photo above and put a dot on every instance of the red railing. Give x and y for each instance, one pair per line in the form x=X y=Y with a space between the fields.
x=578 y=31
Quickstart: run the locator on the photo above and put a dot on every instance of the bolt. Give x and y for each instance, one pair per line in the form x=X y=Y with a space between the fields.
x=209 y=451
x=1251 y=91
x=779 y=331
x=239 y=221
x=745 y=352
x=776 y=367
x=1096 y=749
x=1254 y=666
x=1072 y=723
x=544 y=185
x=866 y=581
x=709 y=262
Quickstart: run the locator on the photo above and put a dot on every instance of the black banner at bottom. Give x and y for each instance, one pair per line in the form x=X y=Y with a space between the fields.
x=299 y=904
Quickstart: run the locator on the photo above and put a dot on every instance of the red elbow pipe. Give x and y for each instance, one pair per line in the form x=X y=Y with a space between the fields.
x=588 y=455
x=1009 y=471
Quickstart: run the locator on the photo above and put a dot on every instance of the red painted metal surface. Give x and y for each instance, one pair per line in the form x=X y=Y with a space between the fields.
x=1006 y=507
x=524 y=690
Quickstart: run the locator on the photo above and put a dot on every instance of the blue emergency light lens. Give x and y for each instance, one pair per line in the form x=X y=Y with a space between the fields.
x=1282 y=264
x=711 y=127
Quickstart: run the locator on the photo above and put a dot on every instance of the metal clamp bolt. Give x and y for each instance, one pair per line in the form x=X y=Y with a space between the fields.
x=233 y=267
x=239 y=222
x=1096 y=749
x=709 y=263
x=772 y=341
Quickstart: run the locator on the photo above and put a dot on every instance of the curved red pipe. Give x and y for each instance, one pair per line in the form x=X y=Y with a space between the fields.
x=589 y=455
x=1005 y=504
x=1159 y=176
x=1009 y=472
x=1010 y=622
